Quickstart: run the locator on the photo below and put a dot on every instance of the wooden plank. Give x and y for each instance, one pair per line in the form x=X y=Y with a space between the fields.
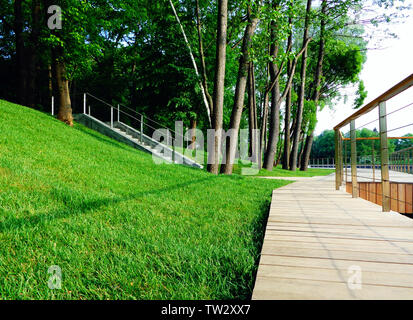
x=363 y=190
x=338 y=254
x=319 y=263
x=401 y=197
x=315 y=234
x=379 y=192
x=409 y=198
x=298 y=289
x=335 y=275
x=393 y=197
x=361 y=244
x=372 y=196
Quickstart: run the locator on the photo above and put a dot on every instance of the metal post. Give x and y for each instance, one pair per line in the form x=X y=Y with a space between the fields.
x=52 y=105
x=111 y=117
x=353 y=159
x=84 y=103
x=141 y=128
x=118 y=113
x=89 y=110
x=384 y=155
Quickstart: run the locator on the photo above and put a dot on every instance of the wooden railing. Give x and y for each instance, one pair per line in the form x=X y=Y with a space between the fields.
x=382 y=153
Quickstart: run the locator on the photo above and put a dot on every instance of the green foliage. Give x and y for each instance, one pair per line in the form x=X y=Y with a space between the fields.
x=361 y=95
x=401 y=144
x=324 y=144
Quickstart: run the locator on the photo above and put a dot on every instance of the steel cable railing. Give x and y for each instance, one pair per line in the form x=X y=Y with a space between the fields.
x=376 y=171
x=110 y=114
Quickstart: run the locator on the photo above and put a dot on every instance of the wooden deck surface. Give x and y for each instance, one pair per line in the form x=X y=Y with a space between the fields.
x=323 y=244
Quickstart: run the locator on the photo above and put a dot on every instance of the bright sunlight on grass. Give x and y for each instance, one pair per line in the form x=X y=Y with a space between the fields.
x=119 y=226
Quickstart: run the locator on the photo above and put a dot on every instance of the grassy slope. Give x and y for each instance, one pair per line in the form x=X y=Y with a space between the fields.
x=118 y=225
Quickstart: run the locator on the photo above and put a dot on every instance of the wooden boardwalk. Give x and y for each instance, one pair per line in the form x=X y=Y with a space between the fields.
x=322 y=244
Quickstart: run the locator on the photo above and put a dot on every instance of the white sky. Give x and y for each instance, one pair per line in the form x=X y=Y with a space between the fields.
x=383 y=69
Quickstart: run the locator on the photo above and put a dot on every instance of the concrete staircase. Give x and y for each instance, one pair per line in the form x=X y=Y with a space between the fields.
x=134 y=138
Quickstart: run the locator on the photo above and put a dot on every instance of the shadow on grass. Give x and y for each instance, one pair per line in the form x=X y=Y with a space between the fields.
x=108 y=141
x=80 y=206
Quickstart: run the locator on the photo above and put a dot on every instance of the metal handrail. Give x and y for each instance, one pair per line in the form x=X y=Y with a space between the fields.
x=139 y=120
x=394 y=91
x=386 y=161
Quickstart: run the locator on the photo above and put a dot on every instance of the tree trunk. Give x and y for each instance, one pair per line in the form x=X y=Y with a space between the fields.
x=217 y=116
x=32 y=54
x=300 y=104
x=232 y=140
x=263 y=138
x=201 y=85
x=301 y=148
x=65 y=109
x=287 y=117
x=252 y=119
x=202 y=57
x=307 y=151
x=275 y=105
x=20 y=54
x=317 y=84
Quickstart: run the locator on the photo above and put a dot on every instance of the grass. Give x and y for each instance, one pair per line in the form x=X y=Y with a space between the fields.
x=119 y=226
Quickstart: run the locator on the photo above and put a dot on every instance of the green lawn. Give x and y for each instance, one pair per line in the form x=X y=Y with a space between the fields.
x=119 y=226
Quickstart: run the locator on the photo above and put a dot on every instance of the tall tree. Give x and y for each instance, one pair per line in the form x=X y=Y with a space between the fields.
x=275 y=100
x=244 y=61
x=301 y=95
x=287 y=114
x=20 y=52
x=219 y=86
x=316 y=85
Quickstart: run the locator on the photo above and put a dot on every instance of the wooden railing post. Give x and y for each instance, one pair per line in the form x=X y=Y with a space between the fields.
x=373 y=164
x=341 y=159
x=338 y=163
x=345 y=160
x=384 y=156
x=353 y=159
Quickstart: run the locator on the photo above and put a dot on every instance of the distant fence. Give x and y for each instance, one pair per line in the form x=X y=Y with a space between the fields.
x=382 y=177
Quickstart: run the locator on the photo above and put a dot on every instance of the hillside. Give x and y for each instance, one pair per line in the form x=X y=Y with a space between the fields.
x=119 y=226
